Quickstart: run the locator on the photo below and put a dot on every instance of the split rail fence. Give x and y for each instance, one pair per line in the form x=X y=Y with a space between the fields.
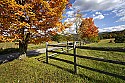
x=74 y=46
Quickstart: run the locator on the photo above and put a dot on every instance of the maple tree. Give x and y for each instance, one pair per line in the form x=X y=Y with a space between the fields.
x=30 y=21
x=87 y=28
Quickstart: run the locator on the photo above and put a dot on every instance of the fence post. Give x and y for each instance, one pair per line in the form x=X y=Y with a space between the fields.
x=80 y=43
x=74 y=50
x=47 y=52
x=67 y=47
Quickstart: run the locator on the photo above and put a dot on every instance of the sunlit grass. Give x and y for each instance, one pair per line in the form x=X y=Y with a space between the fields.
x=8 y=45
x=37 y=46
x=105 y=43
x=34 y=70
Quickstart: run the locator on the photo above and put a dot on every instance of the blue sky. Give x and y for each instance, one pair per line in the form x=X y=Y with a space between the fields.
x=109 y=15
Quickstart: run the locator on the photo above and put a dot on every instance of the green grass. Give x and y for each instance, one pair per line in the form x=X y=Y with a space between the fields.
x=105 y=43
x=34 y=70
x=8 y=45
x=37 y=46
x=108 y=67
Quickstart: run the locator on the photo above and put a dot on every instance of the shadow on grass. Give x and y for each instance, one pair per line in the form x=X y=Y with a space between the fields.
x=103 y=72
x=9 y=54
x=34 y=53
x=42 y=59
x=72 y=72
x=8 y=50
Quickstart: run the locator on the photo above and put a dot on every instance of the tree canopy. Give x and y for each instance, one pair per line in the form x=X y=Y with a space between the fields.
x=87 y=28
x=30 y=21
x=39 y=18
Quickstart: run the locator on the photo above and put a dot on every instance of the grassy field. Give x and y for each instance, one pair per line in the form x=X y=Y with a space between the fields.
x=7 y=45
x=105 y=43
x=34 y=70
x=38 y=46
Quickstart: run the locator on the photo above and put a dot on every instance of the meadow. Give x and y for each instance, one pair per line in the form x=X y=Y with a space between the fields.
x=35 y=70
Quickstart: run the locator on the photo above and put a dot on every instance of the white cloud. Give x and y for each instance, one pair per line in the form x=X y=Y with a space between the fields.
x=121 y=19
x=84 y=15
x=110 y=29
x=120 y=13
x=98 y=15
x=71 y=29
x=93 y=15
x=70 y=13
x=116 y=6
x=106 y=14
x=91 y=5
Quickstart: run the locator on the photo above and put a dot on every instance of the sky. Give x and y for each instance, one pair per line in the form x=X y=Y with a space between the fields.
x=108 y=15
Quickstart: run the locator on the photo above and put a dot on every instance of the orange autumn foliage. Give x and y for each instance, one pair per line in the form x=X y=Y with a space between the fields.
x=40 y=18
x=87 y=28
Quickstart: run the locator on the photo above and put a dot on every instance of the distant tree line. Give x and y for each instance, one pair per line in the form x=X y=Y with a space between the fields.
x=70 y=37
x=118 y=35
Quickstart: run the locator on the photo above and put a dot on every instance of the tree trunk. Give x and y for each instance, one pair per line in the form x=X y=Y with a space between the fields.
x=22 y=49
x=23 y=46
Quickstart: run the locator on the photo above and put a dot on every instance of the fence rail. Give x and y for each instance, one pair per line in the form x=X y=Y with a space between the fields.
x=59 y=45
x=116 y=49
x=82 y=56
x=91 y=58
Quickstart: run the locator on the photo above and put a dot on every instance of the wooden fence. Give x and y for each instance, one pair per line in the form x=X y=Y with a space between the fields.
x=74 y=47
